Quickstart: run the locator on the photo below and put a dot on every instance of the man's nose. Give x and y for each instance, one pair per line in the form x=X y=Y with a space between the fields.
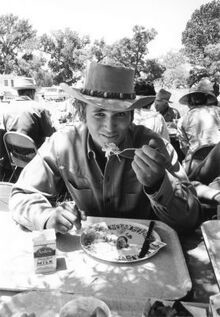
x=109 y=123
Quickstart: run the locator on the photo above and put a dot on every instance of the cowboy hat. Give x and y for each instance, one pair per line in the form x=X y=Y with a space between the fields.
x=163 y=95
x=204 y=87
x=109 y=87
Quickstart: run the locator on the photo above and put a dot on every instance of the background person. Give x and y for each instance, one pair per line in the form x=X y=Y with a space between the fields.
x=146 y=116
x=171 y=116
x=146 y=183
x=199 y=136
x=162 y=102
x=27 y=116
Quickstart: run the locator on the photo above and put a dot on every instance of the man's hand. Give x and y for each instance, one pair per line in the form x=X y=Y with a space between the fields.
x=149 y=164
x=64 y=217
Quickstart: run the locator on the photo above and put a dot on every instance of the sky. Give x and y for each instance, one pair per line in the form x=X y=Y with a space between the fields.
x=110 y=20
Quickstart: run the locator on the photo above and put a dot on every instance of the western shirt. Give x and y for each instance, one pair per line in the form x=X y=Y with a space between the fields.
x=30 y=118
x=67 y=157
x=198 y=127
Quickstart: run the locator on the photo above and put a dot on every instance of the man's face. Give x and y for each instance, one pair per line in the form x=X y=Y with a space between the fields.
x=161 y=106
x=107 y=126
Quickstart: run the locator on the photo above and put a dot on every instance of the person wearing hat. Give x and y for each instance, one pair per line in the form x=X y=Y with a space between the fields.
x=146 y=116
x=199 y=137
x=162 y=102
x=170 y=115
x=110 y=167
x=27 y=116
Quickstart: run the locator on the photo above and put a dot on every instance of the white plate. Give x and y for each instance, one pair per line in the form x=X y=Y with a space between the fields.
x=100 y=240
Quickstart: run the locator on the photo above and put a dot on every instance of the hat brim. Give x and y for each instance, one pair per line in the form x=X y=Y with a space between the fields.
x=109 y=104
x=184 y=99
x=169 y=101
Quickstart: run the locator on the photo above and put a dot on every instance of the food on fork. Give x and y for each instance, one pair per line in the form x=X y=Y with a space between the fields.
x=110 y=148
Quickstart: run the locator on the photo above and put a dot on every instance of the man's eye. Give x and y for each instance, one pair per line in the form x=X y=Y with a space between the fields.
x=121 y=114
x=99 y=114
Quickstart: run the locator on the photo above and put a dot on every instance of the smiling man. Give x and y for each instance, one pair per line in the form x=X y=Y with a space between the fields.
x=146 y=182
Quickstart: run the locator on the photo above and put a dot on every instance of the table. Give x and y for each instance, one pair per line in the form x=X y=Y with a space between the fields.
x=200 y=269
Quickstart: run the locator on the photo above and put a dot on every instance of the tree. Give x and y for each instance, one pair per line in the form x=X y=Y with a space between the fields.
x=202 y=30
x=152 y=70
x=67 y=53
x=13 y=34
x=212 y=60
x=177 y=69
x=132 y=52
x=99 y=50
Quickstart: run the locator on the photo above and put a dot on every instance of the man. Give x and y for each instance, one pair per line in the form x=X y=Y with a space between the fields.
x=147 y=117
x=147 y=182
x=27 y=116
x=199 y=136
x=162 y=106
x=170 y=115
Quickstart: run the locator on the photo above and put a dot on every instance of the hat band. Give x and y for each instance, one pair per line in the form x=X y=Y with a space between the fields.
x=107 y=94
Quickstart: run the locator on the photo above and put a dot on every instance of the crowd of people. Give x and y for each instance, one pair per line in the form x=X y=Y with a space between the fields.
x=119 y=160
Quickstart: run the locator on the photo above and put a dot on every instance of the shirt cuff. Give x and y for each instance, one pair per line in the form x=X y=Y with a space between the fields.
x=165 y=192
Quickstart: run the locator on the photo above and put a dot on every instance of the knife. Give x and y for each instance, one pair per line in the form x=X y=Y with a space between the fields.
x=146 y=244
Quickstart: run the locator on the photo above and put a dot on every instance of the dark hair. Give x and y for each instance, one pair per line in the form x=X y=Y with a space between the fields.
x=80 y=110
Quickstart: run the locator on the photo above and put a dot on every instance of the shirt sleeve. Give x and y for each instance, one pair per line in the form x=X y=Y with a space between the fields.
x=176 y=202
x=37 y=189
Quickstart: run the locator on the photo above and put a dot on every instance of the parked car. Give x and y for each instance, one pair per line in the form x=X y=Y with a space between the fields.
x=53 y=93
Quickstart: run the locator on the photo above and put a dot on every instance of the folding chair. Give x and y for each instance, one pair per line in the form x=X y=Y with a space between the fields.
x=5 y=191
x=20 y=149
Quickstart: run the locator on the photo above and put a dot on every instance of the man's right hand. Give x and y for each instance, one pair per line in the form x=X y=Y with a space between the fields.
x=64 y=217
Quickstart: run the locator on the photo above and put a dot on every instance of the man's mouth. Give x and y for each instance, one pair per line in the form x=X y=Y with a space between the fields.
x=109 y=137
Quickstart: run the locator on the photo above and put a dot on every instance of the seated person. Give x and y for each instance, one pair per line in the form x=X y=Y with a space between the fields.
x=199 y=136
x=162 y=101
x=171 y=116
x=28 y=116
x=145 y=183
x=147 y=117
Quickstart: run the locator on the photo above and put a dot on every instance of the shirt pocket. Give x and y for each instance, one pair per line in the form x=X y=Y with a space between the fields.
x=135 y=205
x=83 y=195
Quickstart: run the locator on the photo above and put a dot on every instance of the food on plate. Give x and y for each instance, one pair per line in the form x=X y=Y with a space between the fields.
x=175 y=309
x=83 y=306
x=118 y=242
x=122 y=242
x=99 y=233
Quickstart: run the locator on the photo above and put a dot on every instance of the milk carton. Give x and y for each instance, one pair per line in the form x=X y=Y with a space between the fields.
x=44 y=249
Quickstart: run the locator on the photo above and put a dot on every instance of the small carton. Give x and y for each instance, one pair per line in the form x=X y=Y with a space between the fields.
x=44 y=249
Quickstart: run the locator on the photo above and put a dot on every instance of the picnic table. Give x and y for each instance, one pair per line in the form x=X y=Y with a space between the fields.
x=180 y=270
